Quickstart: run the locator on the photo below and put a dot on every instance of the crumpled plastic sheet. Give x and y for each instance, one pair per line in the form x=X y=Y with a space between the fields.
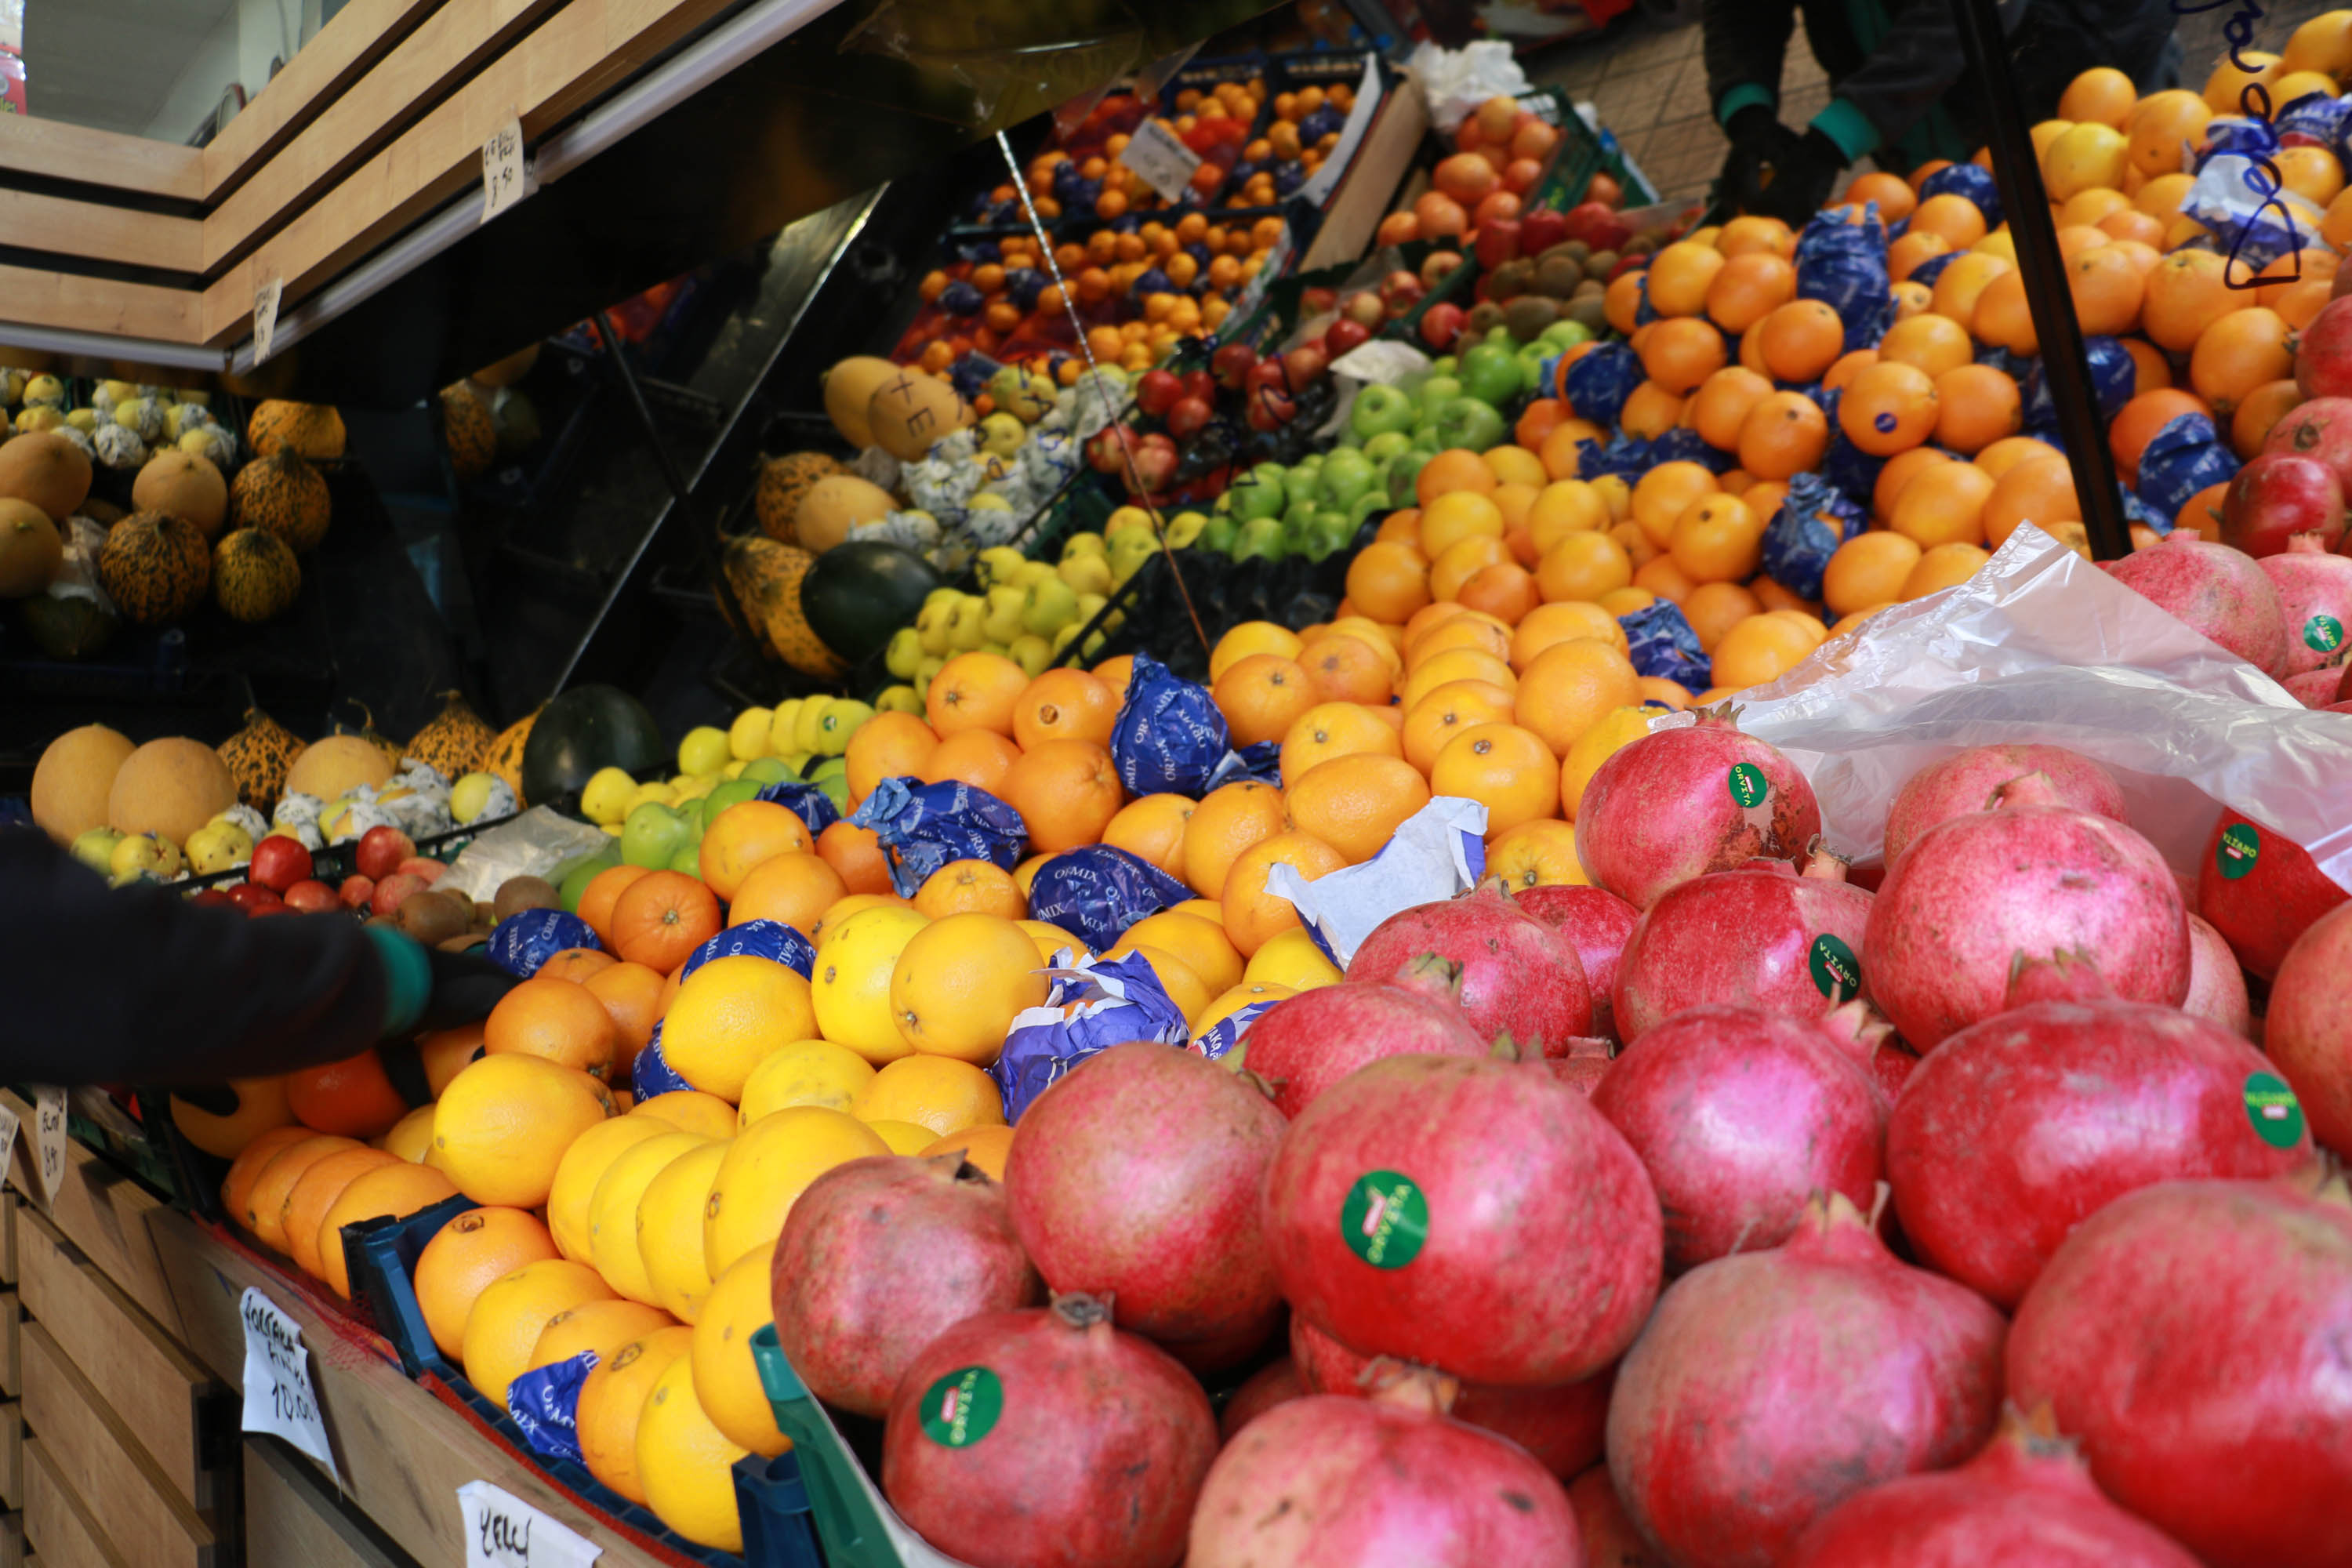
x=532 y=845
x=1436 y=854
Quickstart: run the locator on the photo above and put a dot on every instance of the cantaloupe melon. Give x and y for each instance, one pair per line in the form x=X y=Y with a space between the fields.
x=336 y=765
x=913 y=409
x=45 y=469
x=833 y=506
x=183 y=485
x=31 y=550
x=71 y=781
x=171 y=786
x=849 y=386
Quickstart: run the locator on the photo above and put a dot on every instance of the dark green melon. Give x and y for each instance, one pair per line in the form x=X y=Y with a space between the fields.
x=588 y=728
x=860 y=592
x=66 y=628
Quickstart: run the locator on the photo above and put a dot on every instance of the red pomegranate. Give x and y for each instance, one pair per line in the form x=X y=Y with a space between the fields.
x=1560 y=1426
x=1596 y=922
x=2028 y=1497
x=2030 y=876
x=1679 y=802
x=1891 y=1065
x=1489 y=1221
x=1205 y=1359
x=1610 y=1539
x=2308 y=1030
x=1738 y=1114
x=2214 y=589
x=2217 y=986
x=2193 y=1336
x=878 y=1258
x=1517 y=977
x=1276 y=1382
x=1770 y=1387
x=1136 y=1180
x=2016 y=1130
x=1329 y=1481
x=1586 y=1064
x=2262 y=891
x=1046 y=1439
x=1305 y=1044
x=2320 y=429
x=1766 y=939
x=2314 y=590
x=1963 y=783
x=2323 y=355
x=2316 y=687
x=2277 y=495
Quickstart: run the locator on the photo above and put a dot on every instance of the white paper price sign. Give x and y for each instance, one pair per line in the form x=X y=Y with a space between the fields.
x=504 y=1531
x=1164 y=161
x=279 y=1398
x=264 y=317
x=503 y=170
x=49 y=1139
x=8 y=1125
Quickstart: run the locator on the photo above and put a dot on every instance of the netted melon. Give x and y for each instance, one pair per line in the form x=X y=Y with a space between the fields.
x=783 y=481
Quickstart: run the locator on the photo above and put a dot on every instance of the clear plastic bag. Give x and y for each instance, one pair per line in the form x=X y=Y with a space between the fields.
x=2041 y=645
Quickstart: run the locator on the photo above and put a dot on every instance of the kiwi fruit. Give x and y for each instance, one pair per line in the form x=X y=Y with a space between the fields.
x=1483 y=318
x=431 y=917
x=1511 y=280
x=1527 y=316
x=1591 y=289
x=517 y=894
x=1558 y=276
x=1587 y=311
x=1641 y=245
x=1575 y=248
x=1601 y=264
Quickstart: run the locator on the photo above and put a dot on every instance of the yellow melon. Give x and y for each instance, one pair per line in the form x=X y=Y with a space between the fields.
x=912 y=410
x=336 y=765
x=45 y=469
x=833 y=506
x=183 y=485
x=171 y=786
x=849 y=386
x=71 y=780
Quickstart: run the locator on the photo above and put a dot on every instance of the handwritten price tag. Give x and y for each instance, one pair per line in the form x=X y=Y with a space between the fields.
x=264 y=317
x=502 y=171
x=504 y=1531
x=1164 y=161
x=279 y=1398
x=8 y=1125
x=49 y=1140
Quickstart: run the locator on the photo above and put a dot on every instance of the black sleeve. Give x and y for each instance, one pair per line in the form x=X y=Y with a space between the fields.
x=136 y=984
x=1746 y=41
x=1919 y=61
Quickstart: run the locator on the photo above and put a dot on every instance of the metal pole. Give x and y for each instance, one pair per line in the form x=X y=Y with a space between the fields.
x=2065 y=365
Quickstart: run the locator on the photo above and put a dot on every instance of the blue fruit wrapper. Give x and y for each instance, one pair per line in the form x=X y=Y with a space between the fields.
x=1595 y=385
x=2253 y=221
x=1627 y=456
x=653 y=1075
x=771 y=939
x=1644 y=312
x=1096 y=892
x=1226 y=1033
x=2186 y=455
x=2113 y=378
x=1095 y=1003
x=923 y=826
x=2139 y=512
x=545 y=1403
x=2313 y=120
x=1261 y=762
x=1967 y=180
x=1927 y=271
x=2237 y=134
x=1844 y=265
x=1684 y=444
x=1660 y=642
x=1848 y=466
x=811 y=804
x=1169 y=736
x=1814 y=518
x=1437 y=853
x=521 y=942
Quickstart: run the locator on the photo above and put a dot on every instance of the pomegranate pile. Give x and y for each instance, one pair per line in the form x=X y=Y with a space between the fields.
x=1729 y=1210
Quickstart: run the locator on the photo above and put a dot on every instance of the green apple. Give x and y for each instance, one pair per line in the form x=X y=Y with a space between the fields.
x=1089 y=607
x=1261 y=538
x=1436 y=392
x=1048 y=606
x=1389 y=443
x=1329 y=533
x=831 y=776
x=902 y=698
x=1002 y=621
x=571 y=878
x=216 y=847
x=1347 y=476
x=1031 y=652
x=1378 y=410
x=1185 y=528
x=841 y=722
x=1032 y=571
x=967 y=628
x=1565 y=333
x=905 y=652
x=996 y=565
x=688 y=859
x=1088 y=573
x=927 y=671
x=1125 y=519
x=1258 y=493
x=1065 y=636
x=931 y=624
x=765 y=770
x=1083 y=544
x=1002 y=435
x=1472 y=422
x=1303 y=485
x=704 y=749
x=1490 y=373
x=1404 y=468
x=734 y=792
x=1443 y=364
x=1217 y=533
x=94 y=847
x=653 y=833
x=1371 y=501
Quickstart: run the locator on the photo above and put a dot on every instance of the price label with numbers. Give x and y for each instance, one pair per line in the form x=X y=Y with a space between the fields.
x=264 y=317
x=49 y=1140
x=502 y=171
x=279 y=1398
x=504 y=1531
x=1164 y=161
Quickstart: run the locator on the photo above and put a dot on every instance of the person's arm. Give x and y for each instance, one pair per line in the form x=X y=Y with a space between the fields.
x=1746 y=41
x=137 y=985
x=1919 y=61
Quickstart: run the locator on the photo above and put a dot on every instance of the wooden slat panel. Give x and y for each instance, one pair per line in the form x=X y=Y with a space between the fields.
x=74 y=304
x=292 y=1519
x=12 y=1344
x=9 y=1203
x=12 y=1540
x=97 y=1458
x=11 y=1453
x=355 y=39
x=105 y=158
x=101 y=232
x=58 y=1529
x=159 y=1390
x=101 y=1210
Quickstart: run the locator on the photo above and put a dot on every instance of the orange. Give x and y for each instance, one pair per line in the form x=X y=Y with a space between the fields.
x=559 y=1020
x=354 y=1096
x=2007 y=452
x=308 y=1201
x=464 y=1257
x=1557 y=622
x=1954 y=218
x=1226 y=822
x=1801 y=338
x=1505 y=768
x=1747 y=289
x=1746 y=234
x=2130 y=431
x=1423 y=621
x=1455 y=516
x=1681 y=352
x=2040 y=491
x=1387 y=580
x=2184 y=294
x=502 y=1126
x=2200 y=513
x=1512 y=466
x=1621 y=301
x=2257 y=411
x=1249 y=637
x=444 y=1054
x=1354 y=804
x=1458 y=705
x=1942 y=567
x=2003 y=317
x=1051 y=941
x=1840 y=376
x=1890 y=408
x=1200 y=943
x=1714 y=608
x=2102 y=93
x=747 y=833
x=1959 y=288
x=1464 y=560
x=1260 y=697
x=1569 y=685
x=729 y=1016
x=855 y=854
x=970 y=887
x=1867 y=569
x=1943 y=505
x=1151 y=828
x=1680 y=275
x=399 y=1190
x=601 y=1327
x=2158 y=125
x=1977 y=406
x=685 y=1463
x=1476 y=631
x=1455 y=468
x=1332 y=730
x=1905 y=255
x=888 y=745
x=1650 y=411
x=1583 y=566
x=574 y=963
x=1457 y=664
x=2237 y=354
x=2107 y=289
x=266 y=1194
x=1785 y=433
x=662 y=916
x=1253 y=912
x=247 y=1165
x=960 y=982
x=1064 y=705
x=974 y=691
x=1894 y=197
x=1066 y=791
x=510 y=1314
x=842 y=908
x=1536 y=853
x=1899 y=473
x=1344 y=669
x=793 y=887
x=980 y=758
x=582 y=1166
x=597 y=898
x=1722 y=402
x=1759 y=648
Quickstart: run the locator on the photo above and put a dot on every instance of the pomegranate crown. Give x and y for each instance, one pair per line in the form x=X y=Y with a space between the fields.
x=2034 y=1434
x=2066 y=975
x=2036 y=788
x=1403 y=1384
x=1722 y=716
x=1822 y=863
x=1858 y=1028
x=1078 y=1310
x=2312 y=542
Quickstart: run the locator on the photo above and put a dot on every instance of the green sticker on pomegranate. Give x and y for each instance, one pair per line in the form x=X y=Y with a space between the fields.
x=1748 y=786
x=2274 y=1110
x=2240 y=847
x=2323 y=634
x=1837 y=972
x=962 y=1408
x=1385 y=1219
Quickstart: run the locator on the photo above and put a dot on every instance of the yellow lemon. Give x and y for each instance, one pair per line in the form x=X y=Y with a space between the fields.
x=613 y=1211
x=690 y=1110
x=725 y=1379
x=1235 y=999
x=806 y=1072
x=747 y=738
x=503 y=1124
x=582 y=1166
x=669 y=1229
x=938 y=1092
x=768 y=1168
x=1610 y=733
x=613 y=1397
x=1291 y=958
x=411 y=1137
x=727 y=1015
x=686 y=1464
x=508 y=1318
x=852 y=985
x=904 y=1137
x=959 y=983
x=985 y=1147
x=1200 y=943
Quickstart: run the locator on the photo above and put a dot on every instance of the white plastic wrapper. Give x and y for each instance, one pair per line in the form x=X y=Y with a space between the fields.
x=246 y=819
x=1437 y=852
x=297 y=814
x=532 y=845
x=1380 y=362
x=2041 y=646
x=1456 y=81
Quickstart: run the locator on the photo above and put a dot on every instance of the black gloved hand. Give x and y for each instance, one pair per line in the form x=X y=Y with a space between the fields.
x=1755 y=132
x=1802 y=171
x=465 y=986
